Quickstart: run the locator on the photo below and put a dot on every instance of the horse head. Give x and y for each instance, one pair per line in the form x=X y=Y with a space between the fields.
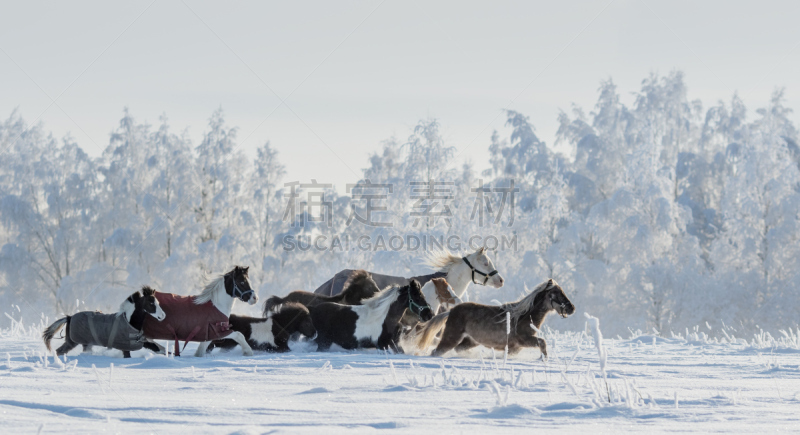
x=147 y=302
x=237 y=285
x=483 y=271
x=417 y=303
x=555 y=299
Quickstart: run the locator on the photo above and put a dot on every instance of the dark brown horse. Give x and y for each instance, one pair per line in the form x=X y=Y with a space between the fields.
x=359 y=286
x=469 y=324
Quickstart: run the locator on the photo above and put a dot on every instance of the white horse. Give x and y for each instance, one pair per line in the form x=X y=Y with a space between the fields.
x=461 y=271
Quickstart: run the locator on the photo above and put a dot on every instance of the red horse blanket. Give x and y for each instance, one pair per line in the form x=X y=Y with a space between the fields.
x=186 y=321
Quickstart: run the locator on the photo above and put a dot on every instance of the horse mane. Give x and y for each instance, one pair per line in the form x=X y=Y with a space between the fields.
x=441 y=260
x=377 y=307
x=527 y=303
x=210 y=290
x=129 y=300
x=383 y=299
x=358 y=277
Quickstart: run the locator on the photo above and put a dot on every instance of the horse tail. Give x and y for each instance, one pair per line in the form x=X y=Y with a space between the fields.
x=271 y=303
x=51 y=330
x=430 y=329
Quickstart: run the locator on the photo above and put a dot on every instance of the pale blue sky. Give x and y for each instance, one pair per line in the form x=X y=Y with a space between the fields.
x=355 y=73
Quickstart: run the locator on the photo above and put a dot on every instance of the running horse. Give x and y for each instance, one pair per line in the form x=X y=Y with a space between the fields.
x=204 y=317
x=511 y=326
x=376 y=323
x=121 y=330
x=459 y=272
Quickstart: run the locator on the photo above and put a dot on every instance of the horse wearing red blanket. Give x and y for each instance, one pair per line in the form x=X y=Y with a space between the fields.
x=204 y=317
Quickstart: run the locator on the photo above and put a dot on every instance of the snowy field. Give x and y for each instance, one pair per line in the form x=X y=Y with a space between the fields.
x=686 y=383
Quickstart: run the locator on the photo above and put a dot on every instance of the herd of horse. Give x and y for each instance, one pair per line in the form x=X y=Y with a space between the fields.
x=354 y=309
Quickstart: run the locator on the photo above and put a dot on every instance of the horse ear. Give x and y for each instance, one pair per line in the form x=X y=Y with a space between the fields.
x=550 y=283
x=415 y=285
x=482 y=250
x=136 y=296
x=148 y=291
x=246 y=269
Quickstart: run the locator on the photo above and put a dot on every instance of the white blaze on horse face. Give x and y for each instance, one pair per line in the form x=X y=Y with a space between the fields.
x=253 y=299
x=159 y=314
x=261 y=332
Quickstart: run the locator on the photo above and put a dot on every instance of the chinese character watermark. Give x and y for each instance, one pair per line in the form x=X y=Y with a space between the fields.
x=371 y=194
x=315 y=199
x=429 y=194
x=483 y=203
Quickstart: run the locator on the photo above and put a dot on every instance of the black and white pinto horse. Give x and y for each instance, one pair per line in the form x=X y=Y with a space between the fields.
x=132 y=311
x=222 y=292
x=204 y=317
x=271 y=333
x=459 y=271
x=376 y=323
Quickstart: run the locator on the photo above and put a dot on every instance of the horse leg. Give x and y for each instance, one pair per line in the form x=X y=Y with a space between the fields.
x=239 y=338
x=126 y=354
x=155 y=347
x=87 y=348
x=543 y=347
x=323 y=344
x=466 y=344
x=531 y=341
x=201 y=349
x=224 y=344
x=451 y=337
x=392 y=345
x=66 y=347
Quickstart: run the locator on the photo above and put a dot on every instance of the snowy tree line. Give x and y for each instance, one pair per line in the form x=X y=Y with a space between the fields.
x=665 y=214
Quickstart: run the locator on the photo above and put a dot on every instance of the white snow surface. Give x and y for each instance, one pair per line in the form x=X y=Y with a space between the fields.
x=728 y=385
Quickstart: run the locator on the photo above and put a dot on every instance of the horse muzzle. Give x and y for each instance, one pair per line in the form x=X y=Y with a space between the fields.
x=249 y=297
x=426 y=314
x=159 y=314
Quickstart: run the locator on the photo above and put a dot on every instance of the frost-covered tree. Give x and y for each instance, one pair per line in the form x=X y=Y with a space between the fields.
x=51 y=214
x=267 y=203
x=660 y=213
x=222 y=172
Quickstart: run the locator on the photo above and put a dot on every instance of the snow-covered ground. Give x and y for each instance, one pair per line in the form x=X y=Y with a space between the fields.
x=686 y=383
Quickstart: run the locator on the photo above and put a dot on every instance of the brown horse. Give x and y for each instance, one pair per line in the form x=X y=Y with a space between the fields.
x=359 y=286
x=469 y=324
